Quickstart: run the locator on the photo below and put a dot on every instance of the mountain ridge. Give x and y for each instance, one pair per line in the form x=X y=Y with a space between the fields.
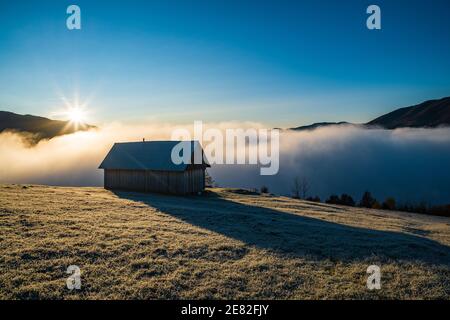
x=428 y=114
x=36 y=128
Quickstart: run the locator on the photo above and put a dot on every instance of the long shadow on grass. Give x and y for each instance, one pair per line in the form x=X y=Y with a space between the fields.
x=286 y=233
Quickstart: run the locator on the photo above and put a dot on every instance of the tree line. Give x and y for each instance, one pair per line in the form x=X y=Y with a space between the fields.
x=301 y=190
x=301 y=187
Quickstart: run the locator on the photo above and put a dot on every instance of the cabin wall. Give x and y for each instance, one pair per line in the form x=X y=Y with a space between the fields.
x=184 y=182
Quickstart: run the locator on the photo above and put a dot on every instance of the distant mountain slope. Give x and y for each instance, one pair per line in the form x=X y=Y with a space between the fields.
x=320 y=125
x=39 y=127
x=432 y=113
x=429 y=114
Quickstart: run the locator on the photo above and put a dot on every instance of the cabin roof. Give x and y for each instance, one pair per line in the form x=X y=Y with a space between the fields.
x=146 y=155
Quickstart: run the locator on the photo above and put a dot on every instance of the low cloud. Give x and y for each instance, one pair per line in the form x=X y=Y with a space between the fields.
x=409 y=164
x=70 y=160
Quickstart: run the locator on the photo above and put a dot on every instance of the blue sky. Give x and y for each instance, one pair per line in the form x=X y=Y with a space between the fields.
x=283 y=63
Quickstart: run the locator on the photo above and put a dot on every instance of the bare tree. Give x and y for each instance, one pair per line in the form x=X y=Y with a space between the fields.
x=300 y=188
x=296 y=188
x=304 y=187
x=209 y=181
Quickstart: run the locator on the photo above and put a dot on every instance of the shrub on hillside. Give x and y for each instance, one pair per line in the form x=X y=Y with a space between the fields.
x=333 y=199
x=347 y=200
x=313 y=199
x=376 y=205
x=389 y=204
x=264 y=189
x=209 y=181
x=440 y=210
x=367 y=201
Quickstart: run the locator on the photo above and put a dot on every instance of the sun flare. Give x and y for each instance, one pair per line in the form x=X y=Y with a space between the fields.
x=76 y=115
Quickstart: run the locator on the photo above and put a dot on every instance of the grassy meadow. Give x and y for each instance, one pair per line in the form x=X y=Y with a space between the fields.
x=227 y=244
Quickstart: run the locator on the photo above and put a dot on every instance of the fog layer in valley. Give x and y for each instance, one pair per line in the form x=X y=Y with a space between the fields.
x=412 y=165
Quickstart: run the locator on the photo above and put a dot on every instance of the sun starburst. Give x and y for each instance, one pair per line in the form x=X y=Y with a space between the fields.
x=76 y=115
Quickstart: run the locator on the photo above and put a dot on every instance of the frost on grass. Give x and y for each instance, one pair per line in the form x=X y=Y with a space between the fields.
x=222 y=245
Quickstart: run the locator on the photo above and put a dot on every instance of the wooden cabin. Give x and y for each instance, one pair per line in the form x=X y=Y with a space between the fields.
x=147 y=166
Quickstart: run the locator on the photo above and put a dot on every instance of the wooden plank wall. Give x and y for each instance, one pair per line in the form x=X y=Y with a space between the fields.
x=184 y=182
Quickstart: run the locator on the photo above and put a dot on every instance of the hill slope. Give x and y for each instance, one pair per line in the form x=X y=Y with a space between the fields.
x=38 y=127
x=224 y=245
x=321 y=125
x=429 y=114
x=432 y=113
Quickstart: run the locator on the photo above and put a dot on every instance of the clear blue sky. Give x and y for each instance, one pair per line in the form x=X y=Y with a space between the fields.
x=281 y=63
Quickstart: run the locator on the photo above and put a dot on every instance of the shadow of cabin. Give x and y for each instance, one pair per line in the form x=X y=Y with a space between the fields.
x=147 y=166
x=291 y=234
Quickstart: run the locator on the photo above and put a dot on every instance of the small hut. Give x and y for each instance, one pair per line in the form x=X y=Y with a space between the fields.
x=147 y=166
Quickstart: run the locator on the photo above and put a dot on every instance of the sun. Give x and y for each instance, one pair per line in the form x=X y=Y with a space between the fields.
x=76 y=115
